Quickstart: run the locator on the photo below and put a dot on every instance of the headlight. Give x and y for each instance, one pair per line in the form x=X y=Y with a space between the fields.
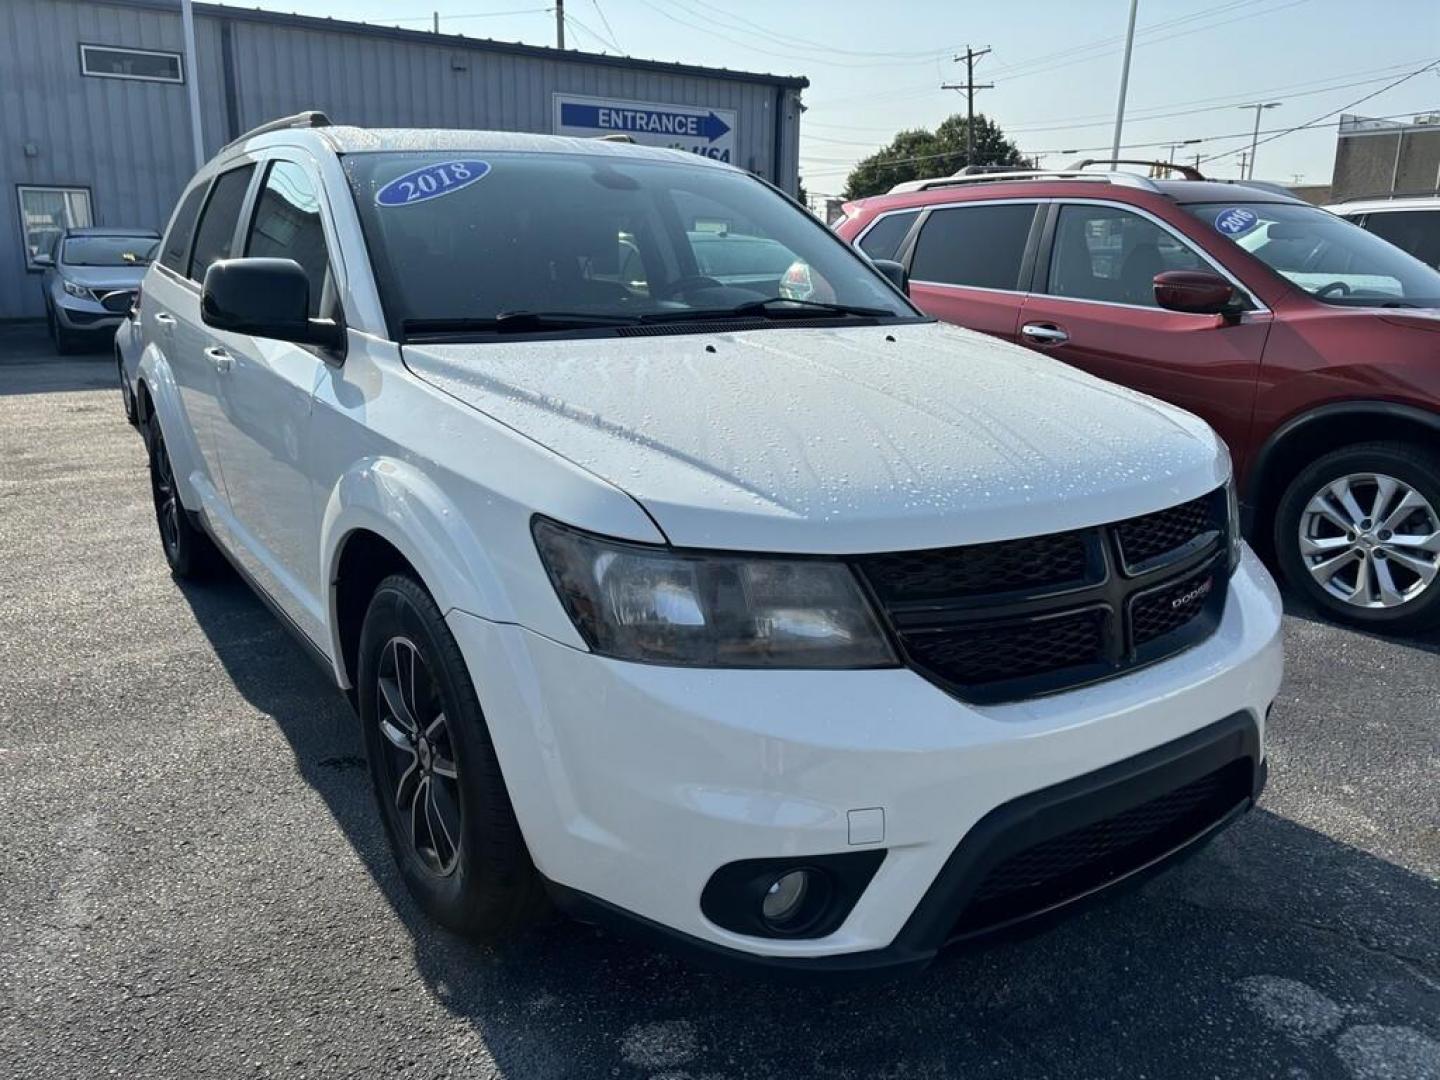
x=661 y=606
x=77 y=291
x=1232 y=503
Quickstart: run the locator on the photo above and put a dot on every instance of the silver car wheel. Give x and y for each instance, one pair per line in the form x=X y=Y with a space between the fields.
x=1370 y=540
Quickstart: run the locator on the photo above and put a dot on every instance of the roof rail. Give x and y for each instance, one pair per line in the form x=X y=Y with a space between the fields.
x=1189 y=172
x=615 y=136
x=1119 y=179
x=1432 y=193
x=311 y=118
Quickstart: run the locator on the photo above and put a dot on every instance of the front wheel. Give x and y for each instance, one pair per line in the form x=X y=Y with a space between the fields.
x=1358 y=531
x=437 y=780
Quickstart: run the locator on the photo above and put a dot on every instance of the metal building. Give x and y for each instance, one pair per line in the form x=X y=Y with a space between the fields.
x=1382 y=157
x=95 y=121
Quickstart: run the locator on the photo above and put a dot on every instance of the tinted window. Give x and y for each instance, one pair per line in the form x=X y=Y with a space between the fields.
x=1102 y=253
x=217 y=223
x=109 y=250
x=287 y=226
x=604 y=235
x=974 y=245
x=1413 y=231
x=882 y=241
x=182 y=227
x=1334 y=261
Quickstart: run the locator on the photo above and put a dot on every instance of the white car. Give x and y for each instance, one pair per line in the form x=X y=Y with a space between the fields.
x=1410 y=222
x=806 y=636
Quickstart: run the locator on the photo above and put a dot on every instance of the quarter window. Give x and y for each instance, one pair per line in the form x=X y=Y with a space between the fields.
x=287 y=225
x=883 y=239
x=979 y=246
x=217 y=223
x=46 y=212
x=182 y=227
x=1104 y=253
x=147 y=65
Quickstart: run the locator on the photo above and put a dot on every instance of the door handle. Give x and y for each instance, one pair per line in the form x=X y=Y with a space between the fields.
x=165 y=320
x=1044 y=334
x=222 y=360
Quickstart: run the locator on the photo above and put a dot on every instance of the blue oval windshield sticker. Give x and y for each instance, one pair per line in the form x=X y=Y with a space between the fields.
x=1235 y=220
x=430 y=182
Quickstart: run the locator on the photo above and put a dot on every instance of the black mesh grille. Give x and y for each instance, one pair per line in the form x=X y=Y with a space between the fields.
x=993 y=653
x=1155 y=614
x=1075 y=862
x=1152 y=535
x=1002 y=621
x=1055 y=560
x=117 y=301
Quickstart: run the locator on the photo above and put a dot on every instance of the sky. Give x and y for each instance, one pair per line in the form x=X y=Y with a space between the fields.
x=875 y=68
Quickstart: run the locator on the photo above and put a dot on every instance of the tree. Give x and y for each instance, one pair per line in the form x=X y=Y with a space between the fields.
x=918 y=153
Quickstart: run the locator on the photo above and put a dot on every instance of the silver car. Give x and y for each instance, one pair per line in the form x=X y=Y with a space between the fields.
x=91 y=276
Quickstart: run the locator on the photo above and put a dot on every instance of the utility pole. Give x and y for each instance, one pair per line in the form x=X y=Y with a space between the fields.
x=560 y=24
x=1259 y=107
x=1244 y=157
x=437 y=21
x=1124 y=80
x=192 y=80
x=969 y=86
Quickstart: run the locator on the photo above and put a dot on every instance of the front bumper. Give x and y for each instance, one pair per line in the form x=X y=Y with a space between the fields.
x=76 y=314
x=633 y=784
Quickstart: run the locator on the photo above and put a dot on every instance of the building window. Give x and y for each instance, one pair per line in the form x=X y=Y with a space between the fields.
x=107 y=62
x=46 y=212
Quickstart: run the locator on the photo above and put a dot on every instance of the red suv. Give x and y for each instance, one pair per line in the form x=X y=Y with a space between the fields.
x=1312 y=346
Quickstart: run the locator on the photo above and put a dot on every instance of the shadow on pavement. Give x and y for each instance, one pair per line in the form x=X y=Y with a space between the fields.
x=29 y=363
x=1276 y=951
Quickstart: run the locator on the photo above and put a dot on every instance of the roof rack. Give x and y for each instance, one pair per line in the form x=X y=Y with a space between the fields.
x=615 y=136
x=1188 y=172
x=1431 y=193
x=311 y=118
x=1120 y=179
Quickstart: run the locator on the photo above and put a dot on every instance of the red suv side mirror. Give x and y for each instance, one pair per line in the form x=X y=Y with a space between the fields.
x=1196 y=291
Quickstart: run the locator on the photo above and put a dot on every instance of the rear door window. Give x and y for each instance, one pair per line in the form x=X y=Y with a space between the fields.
x=883 y=239
x=978 y=246
x=217 y=223
x=287 y=225
x=182 y=227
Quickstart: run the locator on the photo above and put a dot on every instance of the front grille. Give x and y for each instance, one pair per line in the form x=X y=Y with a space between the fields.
x=119 y=300
x=1005 y=621
x=1083 y=859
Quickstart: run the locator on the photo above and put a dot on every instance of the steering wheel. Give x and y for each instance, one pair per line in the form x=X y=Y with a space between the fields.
x=687 y=284
x=1334 y=286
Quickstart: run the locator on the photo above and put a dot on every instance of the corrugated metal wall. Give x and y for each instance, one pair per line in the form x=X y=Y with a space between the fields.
x=129 y=141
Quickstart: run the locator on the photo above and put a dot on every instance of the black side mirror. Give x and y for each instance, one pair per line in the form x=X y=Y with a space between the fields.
x=267 y=298
x=894 y=273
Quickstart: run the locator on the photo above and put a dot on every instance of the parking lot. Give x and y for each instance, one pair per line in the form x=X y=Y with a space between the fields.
x=195 y=882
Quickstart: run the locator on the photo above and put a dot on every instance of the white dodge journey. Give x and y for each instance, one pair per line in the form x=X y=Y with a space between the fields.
x=680 y=571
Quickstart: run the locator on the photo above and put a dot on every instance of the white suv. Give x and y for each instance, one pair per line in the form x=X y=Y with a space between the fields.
x=806 y=634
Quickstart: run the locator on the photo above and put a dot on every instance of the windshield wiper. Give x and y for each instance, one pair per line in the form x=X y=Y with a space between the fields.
x=768 y=308
x=512 y=322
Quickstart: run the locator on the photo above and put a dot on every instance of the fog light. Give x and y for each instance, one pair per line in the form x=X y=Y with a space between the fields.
x=786 y=897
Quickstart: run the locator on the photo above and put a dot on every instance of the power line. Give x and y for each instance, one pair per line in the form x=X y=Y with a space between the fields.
x=606 y=23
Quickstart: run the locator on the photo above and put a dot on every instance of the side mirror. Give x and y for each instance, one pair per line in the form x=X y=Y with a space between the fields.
x=267 y=298
x=1198 y=292
x=43 y=259
x=894 y=273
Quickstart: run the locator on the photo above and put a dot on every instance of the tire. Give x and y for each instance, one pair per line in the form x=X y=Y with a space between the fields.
x=189 y=551
x=50 y=321
x=67 y=342
x=437 y=781
x=1371 y=571
x=127 y=397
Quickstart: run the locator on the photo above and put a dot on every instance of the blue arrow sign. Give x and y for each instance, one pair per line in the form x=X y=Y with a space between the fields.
x=630 y=120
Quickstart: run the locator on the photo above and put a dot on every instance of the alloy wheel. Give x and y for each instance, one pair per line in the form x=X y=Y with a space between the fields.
x=422 y=778
x=1370 y=540
x=167 y=501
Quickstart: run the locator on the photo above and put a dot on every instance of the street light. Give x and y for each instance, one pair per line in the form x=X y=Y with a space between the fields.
x=1259 y=107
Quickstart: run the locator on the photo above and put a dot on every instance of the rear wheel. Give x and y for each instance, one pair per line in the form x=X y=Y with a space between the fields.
x=437 y=780
x=127 y=396
x=190 y=553
x=1358 y=531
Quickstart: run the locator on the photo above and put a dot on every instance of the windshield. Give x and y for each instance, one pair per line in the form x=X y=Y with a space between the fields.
x=1330 y=258
x=459 y=241
x=108 y=250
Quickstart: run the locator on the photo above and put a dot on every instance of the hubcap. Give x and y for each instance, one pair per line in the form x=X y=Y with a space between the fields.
x=419 y=756
x=167 y=503
x=1370 y=540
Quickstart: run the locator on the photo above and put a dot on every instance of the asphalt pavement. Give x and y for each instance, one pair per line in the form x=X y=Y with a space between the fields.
x=194 y=882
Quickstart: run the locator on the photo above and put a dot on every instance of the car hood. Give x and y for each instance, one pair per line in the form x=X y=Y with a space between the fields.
x=841 y=440
x=105 y=277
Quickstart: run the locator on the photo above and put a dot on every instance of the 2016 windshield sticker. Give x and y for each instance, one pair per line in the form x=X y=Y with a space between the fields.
x=430 y=182
x=1236 y=220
